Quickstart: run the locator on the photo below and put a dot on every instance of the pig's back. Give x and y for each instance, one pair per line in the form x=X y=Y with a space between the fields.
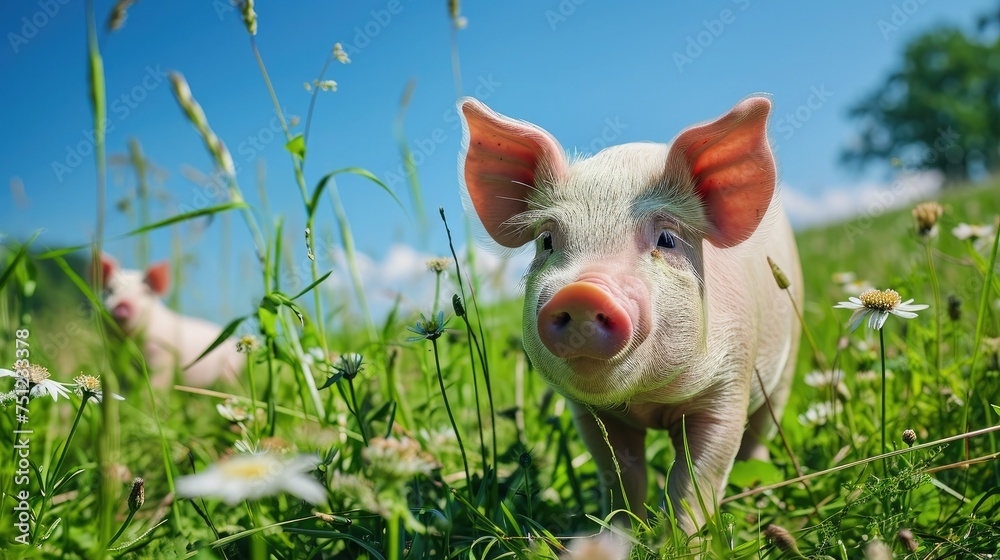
x=179 y=339
x=747 y=309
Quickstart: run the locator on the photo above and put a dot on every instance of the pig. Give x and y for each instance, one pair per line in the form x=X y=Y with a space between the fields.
x=650 y=304
x=170 y=341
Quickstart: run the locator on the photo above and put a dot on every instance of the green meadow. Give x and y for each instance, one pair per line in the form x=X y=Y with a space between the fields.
x=431 y=436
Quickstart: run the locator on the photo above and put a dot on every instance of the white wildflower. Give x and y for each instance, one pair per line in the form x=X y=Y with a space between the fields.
x=90 y=385
x=340 y=54
x=39 y=384
x=818 y=414
x=878 y=305
x=249 y=477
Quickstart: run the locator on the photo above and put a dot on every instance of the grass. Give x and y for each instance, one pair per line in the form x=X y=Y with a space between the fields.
x=443 y=443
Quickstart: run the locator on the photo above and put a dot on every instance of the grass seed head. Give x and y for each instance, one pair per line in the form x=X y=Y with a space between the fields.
x=249 y=16
x=779 y=276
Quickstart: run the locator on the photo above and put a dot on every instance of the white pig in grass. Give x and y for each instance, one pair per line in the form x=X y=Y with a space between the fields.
x=649 y=303
x=169 y=341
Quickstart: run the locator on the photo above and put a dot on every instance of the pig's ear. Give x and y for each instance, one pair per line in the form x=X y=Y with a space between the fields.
x=503 y=160
x=731 y=165
x=158 y=277
x=108 y=267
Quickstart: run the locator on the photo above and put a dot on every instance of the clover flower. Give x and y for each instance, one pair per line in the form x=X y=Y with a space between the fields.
x=397 y=459
x=877 y=305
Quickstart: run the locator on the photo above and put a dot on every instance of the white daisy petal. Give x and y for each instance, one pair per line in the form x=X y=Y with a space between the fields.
x=306 y=488
x=883 y=315
x=903 y=314
x=252 y=476
x=857 y=317
x=7 y=373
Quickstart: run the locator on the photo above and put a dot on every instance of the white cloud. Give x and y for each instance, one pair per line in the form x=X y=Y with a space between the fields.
x=403 y=273
x=840 y=203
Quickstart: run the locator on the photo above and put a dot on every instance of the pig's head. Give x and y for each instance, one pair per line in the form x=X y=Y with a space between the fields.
x=129 y=295
x=614 y=306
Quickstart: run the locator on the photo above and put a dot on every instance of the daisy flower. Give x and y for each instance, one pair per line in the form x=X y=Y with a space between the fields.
x=90 y=385
x=965 y=231
x=877 y=305
x=233 y=411
x=39 y=383
x=247 y=344
x=818 y=414
x=253 y=476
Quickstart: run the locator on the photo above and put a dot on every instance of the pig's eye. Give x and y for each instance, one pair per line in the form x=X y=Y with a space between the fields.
x=546 y=241
x=666 y=240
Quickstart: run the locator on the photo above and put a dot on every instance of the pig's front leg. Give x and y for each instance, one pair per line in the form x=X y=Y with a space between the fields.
x=629 y=445
x=713 y=440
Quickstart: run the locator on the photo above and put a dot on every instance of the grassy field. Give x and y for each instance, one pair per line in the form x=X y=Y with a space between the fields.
x=439 y=441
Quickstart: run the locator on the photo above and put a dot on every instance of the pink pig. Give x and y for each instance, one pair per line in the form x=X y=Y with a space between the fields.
x=169 y=341
x=649 y=303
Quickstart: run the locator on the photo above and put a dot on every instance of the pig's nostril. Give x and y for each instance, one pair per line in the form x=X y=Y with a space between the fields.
x=584 y=320
x=561 y=319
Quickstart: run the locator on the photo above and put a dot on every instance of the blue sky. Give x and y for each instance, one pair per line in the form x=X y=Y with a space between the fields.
x=582 y=69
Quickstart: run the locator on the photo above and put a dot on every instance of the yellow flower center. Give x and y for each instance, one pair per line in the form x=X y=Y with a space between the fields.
x=37 y=373
x=88 y=383
x=246 y=469
x=882 y=300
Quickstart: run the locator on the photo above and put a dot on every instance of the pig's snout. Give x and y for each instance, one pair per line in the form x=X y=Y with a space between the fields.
x=584 y=319
x=122 y=312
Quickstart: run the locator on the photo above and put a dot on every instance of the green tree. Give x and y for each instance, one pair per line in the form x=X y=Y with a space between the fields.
x=941 y=110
